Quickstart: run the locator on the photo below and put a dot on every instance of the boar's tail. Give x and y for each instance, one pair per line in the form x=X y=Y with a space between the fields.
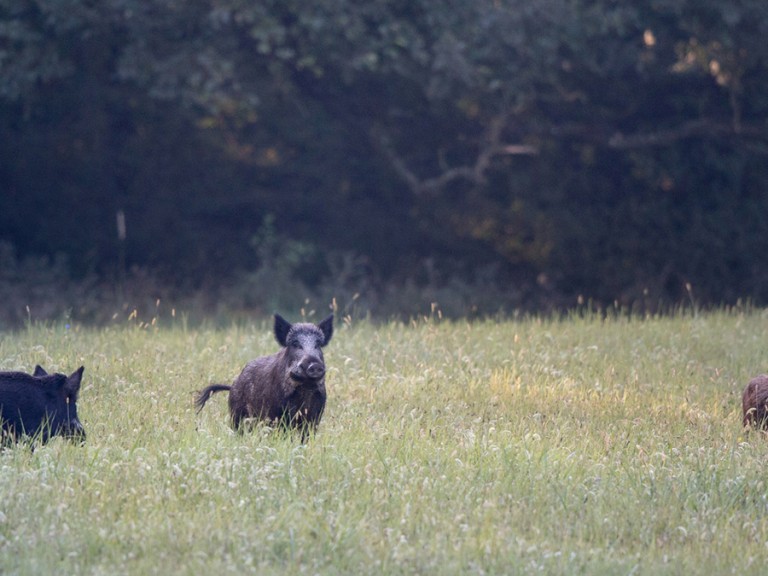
x=205 y=393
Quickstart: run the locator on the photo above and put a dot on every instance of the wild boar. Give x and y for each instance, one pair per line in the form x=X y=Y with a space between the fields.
x=286 y=388
x=754 y=402
x=41 y=405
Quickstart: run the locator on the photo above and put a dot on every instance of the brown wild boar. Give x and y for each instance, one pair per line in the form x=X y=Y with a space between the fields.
x=754 y=402
x=286 y=388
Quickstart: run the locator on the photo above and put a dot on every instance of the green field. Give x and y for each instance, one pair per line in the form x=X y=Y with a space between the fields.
x=575 y=446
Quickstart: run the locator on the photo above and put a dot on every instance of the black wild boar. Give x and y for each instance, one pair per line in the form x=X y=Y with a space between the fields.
x=286 y=388
x=40 y=405
x=754 y=402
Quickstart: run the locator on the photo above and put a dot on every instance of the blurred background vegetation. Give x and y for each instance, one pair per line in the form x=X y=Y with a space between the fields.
x=488 y=155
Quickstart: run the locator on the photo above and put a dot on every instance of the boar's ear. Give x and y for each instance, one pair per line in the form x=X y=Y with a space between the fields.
x=73 y=382
x=326 y=327
x=39 y=371
x=282 y=327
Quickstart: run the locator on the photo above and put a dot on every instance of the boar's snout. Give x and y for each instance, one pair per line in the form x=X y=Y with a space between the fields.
x=74 y=430
x=315 y=370
x=309 y=368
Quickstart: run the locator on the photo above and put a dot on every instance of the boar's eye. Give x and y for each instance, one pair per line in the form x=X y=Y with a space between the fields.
x=294 y=344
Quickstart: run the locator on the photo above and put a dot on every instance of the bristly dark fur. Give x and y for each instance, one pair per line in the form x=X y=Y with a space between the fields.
x=286 y=388
x=40 y=405
x=755 y=402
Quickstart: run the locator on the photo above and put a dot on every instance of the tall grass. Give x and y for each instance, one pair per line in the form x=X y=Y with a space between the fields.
x=579 y=446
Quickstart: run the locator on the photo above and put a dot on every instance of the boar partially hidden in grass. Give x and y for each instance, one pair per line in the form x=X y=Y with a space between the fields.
x=286 y=388
x=755 y=402
x=40 y=405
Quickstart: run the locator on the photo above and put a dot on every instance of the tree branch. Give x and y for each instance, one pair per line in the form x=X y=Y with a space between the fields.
x=474 y=173
x=694 y=128
x=754 y=136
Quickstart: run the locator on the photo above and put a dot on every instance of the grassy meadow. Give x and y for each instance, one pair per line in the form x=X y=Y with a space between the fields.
x=575 y=446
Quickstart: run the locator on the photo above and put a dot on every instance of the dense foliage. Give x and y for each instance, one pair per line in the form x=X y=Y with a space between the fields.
x=554 y=148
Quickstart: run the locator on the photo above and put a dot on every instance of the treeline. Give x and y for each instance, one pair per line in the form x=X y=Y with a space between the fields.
x=493 y=155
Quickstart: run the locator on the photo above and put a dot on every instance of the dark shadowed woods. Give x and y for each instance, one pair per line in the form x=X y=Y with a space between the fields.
x=488 y=156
